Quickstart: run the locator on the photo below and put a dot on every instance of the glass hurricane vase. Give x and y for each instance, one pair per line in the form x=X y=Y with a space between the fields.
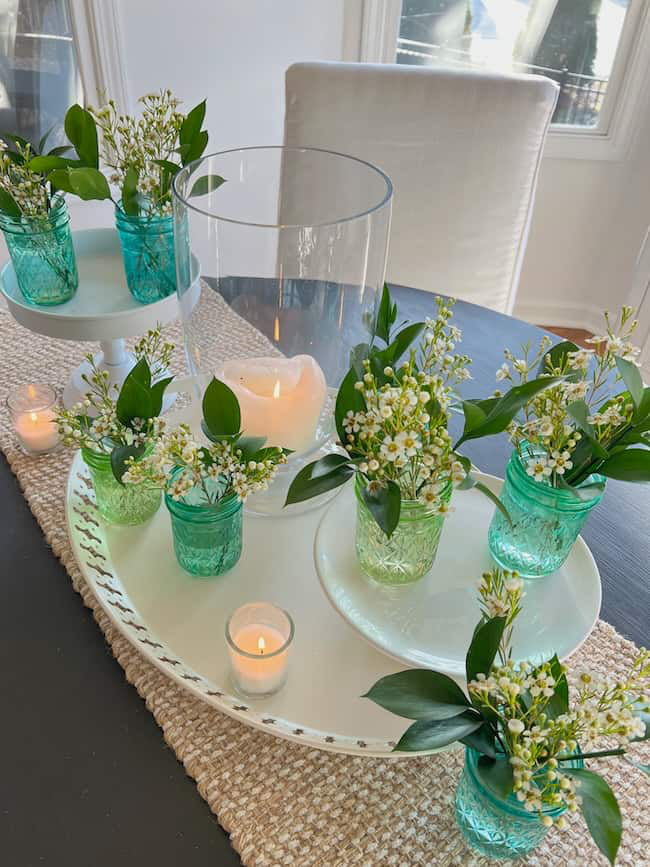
x=292 y=249
x=42 y=255
x=207 y=536
x=500 y=828
x=117 y=503
x=147 y=243
x=546 y=521
x=410 y=552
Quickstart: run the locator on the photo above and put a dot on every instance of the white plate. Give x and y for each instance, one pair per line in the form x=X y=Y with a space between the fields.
x=178 y=622
x=430 y=623
x=102 y=307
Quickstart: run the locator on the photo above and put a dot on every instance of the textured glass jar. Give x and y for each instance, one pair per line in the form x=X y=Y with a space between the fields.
x=412 y=548
x=119 y=504
x=42 y=255
x=148 y=252
x=207 y=538
x=546 y=522
x=496 y=827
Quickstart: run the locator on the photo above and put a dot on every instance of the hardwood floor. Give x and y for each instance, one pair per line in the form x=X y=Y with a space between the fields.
x=577 y=335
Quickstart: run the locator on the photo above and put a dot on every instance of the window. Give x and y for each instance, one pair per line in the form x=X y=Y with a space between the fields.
x=574 y=42
x=39 y=71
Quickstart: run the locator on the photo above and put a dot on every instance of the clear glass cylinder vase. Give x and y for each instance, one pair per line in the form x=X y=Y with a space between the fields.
x=117 y=503
x=499 y=828
x=207 y=536
x=411 y=550
x=42 y=255
x=546 y=521
x=291 y=244
x=147 y=243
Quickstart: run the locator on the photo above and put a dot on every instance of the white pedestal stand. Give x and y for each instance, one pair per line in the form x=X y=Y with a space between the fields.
x=102 y=309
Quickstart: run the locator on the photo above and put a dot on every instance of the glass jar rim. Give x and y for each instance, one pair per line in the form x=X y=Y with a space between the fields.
x=225 y=507
x=408 y=507
x=247 y=653
x=134 y=219
x=564 y=495
x=187 y=170
x=57 y=210
x=39 y=407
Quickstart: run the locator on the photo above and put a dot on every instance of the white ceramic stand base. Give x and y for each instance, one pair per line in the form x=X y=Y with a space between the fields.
x=102 y=310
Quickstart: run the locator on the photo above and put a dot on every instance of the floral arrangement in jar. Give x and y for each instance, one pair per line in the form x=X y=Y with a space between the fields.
x=113 y=425
x=206 y=483
x=569 y=438
x=526 y=732
x=392 y=419
x=141 y=155
x=35 y=223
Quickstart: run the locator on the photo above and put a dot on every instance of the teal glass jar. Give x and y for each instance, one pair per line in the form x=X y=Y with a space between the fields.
x=499 y=828
x=411 y=550
x=546 y=521
x=119 y=504
x=147 y=244
x=207 y=537
x=42 y=255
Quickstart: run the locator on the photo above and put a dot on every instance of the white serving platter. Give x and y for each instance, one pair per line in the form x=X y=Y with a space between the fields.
x=429 y=624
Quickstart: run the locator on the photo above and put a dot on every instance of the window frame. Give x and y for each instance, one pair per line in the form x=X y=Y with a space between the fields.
x=610 y=139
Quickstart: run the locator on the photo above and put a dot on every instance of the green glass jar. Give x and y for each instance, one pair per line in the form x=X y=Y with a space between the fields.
x=207 y=536
x=119 y=504
x=147 y=243
x=500 y=828
x=42 y=255
x=546 y=521
x=411 y=550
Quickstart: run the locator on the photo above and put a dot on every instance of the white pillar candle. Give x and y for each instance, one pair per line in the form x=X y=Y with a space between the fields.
x=32 y=411
x=259 y=636
x=280 y=398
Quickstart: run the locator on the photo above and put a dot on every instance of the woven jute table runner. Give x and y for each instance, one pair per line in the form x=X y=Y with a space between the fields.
x=282 y=803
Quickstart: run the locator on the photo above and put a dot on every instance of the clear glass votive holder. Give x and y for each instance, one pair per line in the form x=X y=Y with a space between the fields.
x=259 y=636
x=33 y=414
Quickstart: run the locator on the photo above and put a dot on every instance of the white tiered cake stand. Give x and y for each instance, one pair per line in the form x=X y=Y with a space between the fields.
x=102 y=309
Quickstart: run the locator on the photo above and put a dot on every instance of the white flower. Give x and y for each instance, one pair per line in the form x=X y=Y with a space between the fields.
x=409 y=442
x=391 y=449
x=503 y=372
x=538 y=468
x=516 y=726
x=560 y=462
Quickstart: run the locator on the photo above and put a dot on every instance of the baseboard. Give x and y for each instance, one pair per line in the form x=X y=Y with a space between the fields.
x=586 y=316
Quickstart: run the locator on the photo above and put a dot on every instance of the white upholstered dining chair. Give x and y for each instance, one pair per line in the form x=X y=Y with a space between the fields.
x=462 y=149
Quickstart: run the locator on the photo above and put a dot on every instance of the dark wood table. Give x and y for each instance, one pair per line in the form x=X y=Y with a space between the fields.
x=87 y=780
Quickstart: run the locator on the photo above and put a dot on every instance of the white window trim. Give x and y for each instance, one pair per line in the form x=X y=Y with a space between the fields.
x=378 y=28
x=98 y=36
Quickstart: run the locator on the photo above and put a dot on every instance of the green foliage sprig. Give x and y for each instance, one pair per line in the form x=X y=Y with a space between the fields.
x=522 y=720
x=26 y=191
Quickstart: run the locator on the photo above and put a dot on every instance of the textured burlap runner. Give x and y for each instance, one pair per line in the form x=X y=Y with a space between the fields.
x=282 y=803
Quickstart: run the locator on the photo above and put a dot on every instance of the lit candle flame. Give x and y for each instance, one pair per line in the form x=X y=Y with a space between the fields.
x=276 y=389
x=34 y=417
x=261 y=644
x=276 y=329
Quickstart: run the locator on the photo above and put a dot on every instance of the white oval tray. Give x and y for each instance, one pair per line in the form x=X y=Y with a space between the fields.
x=429 y=624
x=178 y=622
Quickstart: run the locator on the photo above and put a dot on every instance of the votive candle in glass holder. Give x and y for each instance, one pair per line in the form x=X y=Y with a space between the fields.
x=32 y=409
x=259 y=636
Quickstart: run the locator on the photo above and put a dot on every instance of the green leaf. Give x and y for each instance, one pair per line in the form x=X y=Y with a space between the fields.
x=579 y=411
x=506 y=407
x=632 y=379
x=632 y=465
x=194 y=149
x=8 y=205
x=250 y=446
x=59 y=151
x=483 y=648
x=487 y=492
x=496 y=775
x=559 y=701
x=384 y=502
x=43 y=139
x=419 y=694
x=643 y=412
x=348 y=398
x=82 y=132
x=119 y=457
x=396 y=349
x=318 y=478
x=89 y=184
x=482 y=740
x=134 y=401
x=433 y=734
x=557 y=356
x=206 y=184
x=46 y=164
x=16 y=139
x=192 y=124
x=386 y=315
x=157 y=393
x=358 y=354
x=221 y=411
x=130 y=196
x=169 y=167
x=601 y=811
